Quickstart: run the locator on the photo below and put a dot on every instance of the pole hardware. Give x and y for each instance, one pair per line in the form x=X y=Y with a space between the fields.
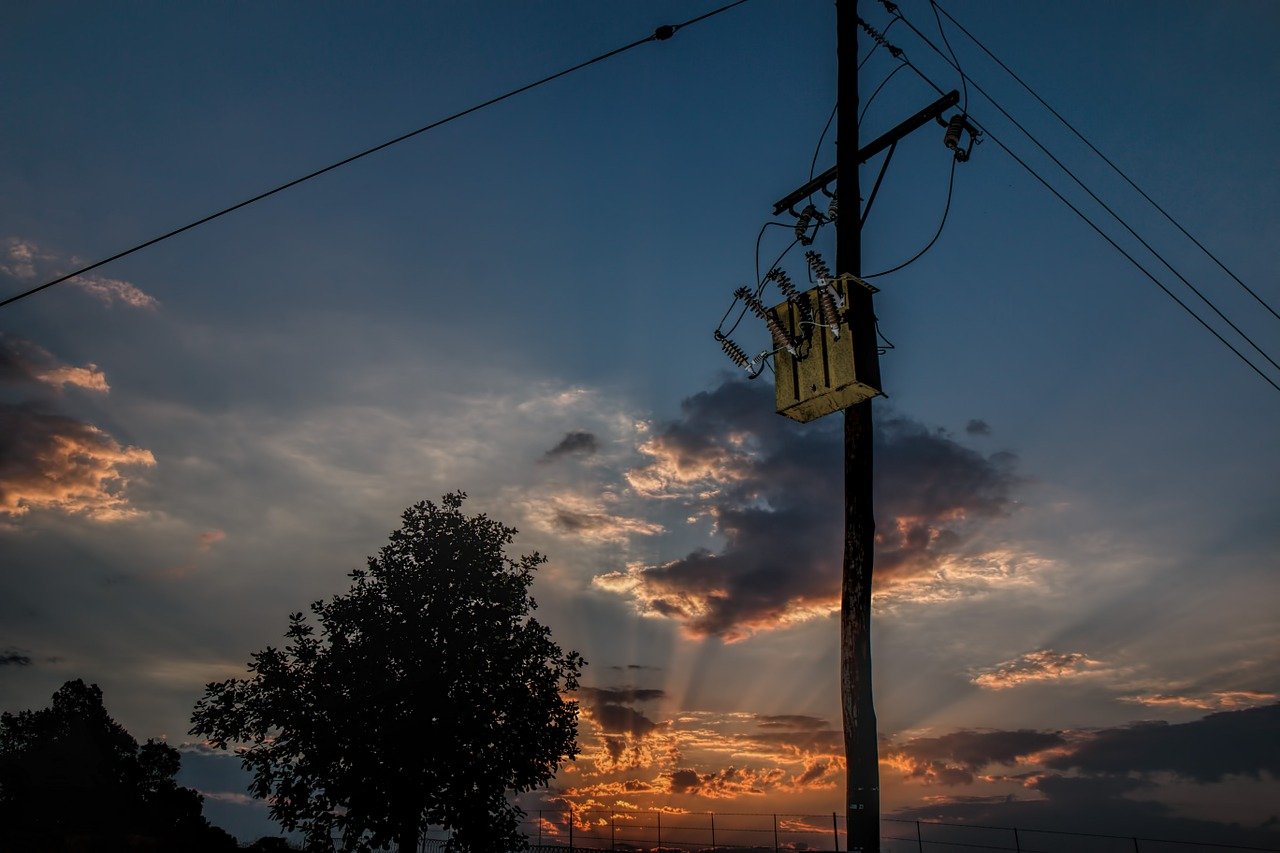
x=871 y=149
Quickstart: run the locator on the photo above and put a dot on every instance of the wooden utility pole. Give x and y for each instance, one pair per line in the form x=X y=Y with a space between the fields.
x=862 y=759
x=841 y=383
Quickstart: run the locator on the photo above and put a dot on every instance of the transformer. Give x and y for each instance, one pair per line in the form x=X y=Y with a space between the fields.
x=836 y=361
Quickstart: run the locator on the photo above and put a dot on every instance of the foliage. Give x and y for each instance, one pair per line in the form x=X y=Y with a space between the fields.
x=427 y=695
x=71 y=776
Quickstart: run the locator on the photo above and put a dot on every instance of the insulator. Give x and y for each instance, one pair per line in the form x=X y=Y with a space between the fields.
x=827 y=308
x=735 y=353
x=951 y=138
x=780 y=278
x=802 y=224
x=743 y=293
x=833 y=209
x=817 y=265
x=781 y=340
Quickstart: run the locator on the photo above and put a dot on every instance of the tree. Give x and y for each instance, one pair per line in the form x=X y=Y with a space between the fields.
x=70 y=775
x=427 y=696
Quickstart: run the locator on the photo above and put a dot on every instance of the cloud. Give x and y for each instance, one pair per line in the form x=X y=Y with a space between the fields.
x=589 y=518
x=50 y=461
x=767 y=485
x=573 y=444
x=14 y=657
x=25 y=260
x=1222 y=700
x=24 y=362
x=1040 y=665
x=112 y=290
x=209 y=538
x=791 y=721
x=1242 y=743
x=1085 y=778
x=977 y=427
x=956 y=758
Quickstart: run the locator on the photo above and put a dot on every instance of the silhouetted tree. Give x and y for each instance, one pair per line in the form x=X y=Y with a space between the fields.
x=428 y=695
x=72 y=777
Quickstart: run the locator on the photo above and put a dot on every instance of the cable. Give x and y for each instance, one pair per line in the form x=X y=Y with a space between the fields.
x=662 y=33
x=867 y=105
x=1106 y=237
x=1095 y=197
x=818 y=148
x=1114 y=215
x=964 y=85
x=951 y=182
x=876 y=46
x=1106 y=160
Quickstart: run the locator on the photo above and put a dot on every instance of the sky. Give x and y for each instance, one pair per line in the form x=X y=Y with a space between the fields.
x=1076 y=584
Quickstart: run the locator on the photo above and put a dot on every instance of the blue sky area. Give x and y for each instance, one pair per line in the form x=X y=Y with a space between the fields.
x=1078 y=486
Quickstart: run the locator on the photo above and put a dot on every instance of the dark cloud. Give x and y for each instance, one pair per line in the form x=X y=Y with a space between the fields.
x=622 y=694
x=14 y=657
x=774 y=490
x=790 y=721
x=609 y=709
x=634 y=667
x=1241 y=743
x=977 y=427
x=956 y=758
x=573 y=443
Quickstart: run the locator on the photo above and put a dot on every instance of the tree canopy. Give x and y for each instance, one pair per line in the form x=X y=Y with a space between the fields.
x=71 y=776
x=427 y=695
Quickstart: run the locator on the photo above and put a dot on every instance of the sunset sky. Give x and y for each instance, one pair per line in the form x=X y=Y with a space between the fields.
x=1078 y=487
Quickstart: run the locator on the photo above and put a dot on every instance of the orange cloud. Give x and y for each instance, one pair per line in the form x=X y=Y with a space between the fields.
x=1040 y=665
x=55 y=462
x=209 y=538
x=25 y=362
x=1222 y=700
x=25 y=260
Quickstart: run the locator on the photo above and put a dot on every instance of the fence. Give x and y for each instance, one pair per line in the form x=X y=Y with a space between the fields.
x=551 y=831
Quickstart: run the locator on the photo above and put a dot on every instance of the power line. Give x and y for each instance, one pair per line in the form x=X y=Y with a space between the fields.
x=1092 y=194
x=1107 y=208
x=951 y=182
x=1105 y=159
x=662 y=33
x=1103 y=234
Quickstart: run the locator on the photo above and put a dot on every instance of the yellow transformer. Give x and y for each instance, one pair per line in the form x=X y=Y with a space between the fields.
x=832 y=361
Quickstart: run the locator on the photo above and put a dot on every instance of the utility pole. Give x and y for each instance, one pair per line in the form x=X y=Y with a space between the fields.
x=862 y=756
x=819 y=371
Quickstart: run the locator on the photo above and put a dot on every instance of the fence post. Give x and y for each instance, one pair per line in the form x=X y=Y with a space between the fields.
x=1017 y=842
x=775 y=833
x=659 y=832
x=713 y=831
x=539 y=827
x=1135 y=846
x=571 y=829
x=613 y=843
x=835 y=831
x=919 y=838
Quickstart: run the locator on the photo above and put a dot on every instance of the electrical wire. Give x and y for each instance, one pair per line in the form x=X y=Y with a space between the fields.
x=964 y=85
x=1098 y=200
x=951 y=182
x=1105 y=159
x=662 y=33
x=876 y=47
x=872 y=97
x=813 y=167
x=1129 y=257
